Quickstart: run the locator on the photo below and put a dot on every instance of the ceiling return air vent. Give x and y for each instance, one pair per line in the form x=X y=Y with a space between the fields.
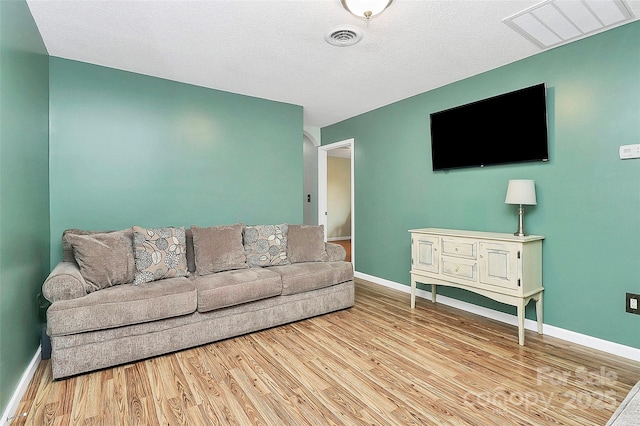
x=554 y=22
x=343 y=37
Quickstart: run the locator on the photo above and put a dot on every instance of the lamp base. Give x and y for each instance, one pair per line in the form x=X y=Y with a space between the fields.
x=520 y=232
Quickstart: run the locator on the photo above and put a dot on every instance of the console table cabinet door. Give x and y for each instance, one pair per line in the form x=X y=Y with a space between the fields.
x=499 y=265
x=425 y=254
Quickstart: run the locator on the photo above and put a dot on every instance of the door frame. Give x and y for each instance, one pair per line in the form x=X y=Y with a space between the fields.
x=323 y=153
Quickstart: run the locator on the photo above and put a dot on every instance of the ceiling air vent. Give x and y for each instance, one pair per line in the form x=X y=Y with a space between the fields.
x=554 y=22
x=343 y=37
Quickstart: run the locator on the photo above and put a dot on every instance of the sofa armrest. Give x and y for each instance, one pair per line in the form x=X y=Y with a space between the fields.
x=64 y=283
x=335 y=251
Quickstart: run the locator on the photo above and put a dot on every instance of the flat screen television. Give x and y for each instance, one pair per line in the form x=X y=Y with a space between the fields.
x=508 y=128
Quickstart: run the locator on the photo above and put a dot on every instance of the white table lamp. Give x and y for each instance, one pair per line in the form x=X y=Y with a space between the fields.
x=521 y=192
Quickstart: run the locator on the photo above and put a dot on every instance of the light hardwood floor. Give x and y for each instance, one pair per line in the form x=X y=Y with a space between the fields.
x=378 y=363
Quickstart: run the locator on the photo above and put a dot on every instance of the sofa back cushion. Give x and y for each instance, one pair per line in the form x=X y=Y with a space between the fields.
x=105 y=259
x=67 y=250
x=306 y=244
x=218 y=248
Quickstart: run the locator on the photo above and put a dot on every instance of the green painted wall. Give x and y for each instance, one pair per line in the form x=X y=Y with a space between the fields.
x=131 y=149
x=588 y=199
x=24 y=190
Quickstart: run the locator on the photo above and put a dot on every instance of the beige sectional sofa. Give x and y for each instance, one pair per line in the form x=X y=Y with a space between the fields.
x=117 y=297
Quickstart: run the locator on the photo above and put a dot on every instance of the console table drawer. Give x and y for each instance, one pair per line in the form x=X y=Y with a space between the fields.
x=460 y=248
x=460 y=269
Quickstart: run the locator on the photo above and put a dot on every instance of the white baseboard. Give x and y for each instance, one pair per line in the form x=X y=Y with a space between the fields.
x=549 y=330
x=14 y=402
x=339 y=238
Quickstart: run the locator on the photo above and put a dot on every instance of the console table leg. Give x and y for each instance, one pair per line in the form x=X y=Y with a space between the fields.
x=521 y=322
x=539 y=313
x=433 y=293
x=413 y=293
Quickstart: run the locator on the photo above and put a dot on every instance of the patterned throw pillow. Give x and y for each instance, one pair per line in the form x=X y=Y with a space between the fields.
x=159 y=253
x=266 y=245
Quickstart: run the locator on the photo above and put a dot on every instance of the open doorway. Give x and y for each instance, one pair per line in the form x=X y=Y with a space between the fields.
x=336 y=207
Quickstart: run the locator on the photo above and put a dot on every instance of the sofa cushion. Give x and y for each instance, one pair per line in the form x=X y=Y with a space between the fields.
x=301 y=277
x=218 y=248
x=122 y=305
x=105 y=260
x=159 y=253
x=266 y=245
x=232 y=288
x=305 y=243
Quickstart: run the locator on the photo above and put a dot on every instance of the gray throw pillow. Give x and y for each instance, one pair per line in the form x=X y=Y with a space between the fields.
x=266 y=245
x=105 y=259
x=218 y=248
x=306 y=244
x=160 y=253
x=67 y=250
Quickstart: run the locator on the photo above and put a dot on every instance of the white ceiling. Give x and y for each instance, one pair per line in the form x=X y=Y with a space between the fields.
x=275 y=49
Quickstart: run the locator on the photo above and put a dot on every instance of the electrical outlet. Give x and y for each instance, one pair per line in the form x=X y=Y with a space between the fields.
x=632 y=303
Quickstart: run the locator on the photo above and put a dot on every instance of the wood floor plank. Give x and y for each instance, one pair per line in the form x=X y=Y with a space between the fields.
x=119 y=396
x=161 y=392
x=379 y=362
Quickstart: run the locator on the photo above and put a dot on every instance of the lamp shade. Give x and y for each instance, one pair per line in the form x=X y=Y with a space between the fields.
x=366 y=8
x=521 y=191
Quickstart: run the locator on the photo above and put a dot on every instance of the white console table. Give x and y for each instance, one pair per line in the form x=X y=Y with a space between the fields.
x=503 y=267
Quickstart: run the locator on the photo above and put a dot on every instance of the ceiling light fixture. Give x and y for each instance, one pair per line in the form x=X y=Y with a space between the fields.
x=366 y=9
x=553 y=22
